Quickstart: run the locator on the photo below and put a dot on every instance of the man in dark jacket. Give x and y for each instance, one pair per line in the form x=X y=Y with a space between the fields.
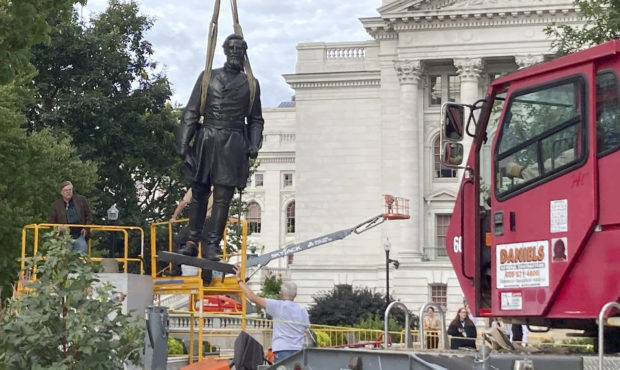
x=230 y=134
x=72 y=209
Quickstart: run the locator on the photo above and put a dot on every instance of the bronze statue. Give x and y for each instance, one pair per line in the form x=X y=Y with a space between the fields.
x=231 y=132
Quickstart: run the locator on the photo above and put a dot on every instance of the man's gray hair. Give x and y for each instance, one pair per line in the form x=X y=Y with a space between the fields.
x=65 y=183
x=288 y=290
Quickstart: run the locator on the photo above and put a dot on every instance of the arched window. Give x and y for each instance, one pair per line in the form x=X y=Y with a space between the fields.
x=290 y=218
x=253 y=217
x=439 y=169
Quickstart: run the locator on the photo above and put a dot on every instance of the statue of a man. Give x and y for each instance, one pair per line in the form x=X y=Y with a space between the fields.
x=231 y=132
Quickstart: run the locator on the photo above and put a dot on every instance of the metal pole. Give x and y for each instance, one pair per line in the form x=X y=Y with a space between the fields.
x=601 y=328
x=113 y=251
x=387 y=278
x=156 y=341
x=386 y=320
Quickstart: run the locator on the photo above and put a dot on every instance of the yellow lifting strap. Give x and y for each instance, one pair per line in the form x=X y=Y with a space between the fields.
x=206 y=77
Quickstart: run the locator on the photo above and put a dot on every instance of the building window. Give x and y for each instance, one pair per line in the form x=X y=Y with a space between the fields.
x=444 y=87
x=290 y=218
x=258 y=180
x=439 y=294
x=454 y=88
x=435 y=98
x=253 y=217
x=441 y=229
x=439 y=169
x=287 y=180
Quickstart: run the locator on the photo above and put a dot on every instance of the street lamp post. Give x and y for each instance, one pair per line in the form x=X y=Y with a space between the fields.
x=252 y=253
x=112 y=218
x=387 y=246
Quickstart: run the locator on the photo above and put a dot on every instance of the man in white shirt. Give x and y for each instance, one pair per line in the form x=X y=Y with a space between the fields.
x=290 y=320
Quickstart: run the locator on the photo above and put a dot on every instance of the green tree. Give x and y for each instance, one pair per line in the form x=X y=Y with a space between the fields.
x=601 y=23
x=98 y=84
x=22 y=24
x=33 y=165
x=68 y=319
x=271 y=286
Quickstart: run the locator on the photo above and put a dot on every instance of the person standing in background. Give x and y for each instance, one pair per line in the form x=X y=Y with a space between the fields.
x=462 y=331
x=431 y=328
x=72 y=209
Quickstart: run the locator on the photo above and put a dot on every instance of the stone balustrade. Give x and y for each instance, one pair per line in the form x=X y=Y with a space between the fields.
x=180 y=323
x=287 y=138
x=345 y=52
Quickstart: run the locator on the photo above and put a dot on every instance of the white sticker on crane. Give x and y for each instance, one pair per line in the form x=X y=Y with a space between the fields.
x=457 y=244
x=522 y=265
x=558 y=215
x=511 y=301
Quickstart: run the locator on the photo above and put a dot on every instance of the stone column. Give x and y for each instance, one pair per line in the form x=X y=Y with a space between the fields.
x=469 y=71
x=411 y=155
x=524 y=61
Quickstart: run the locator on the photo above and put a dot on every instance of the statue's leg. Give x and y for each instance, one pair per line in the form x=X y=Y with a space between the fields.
x=222 y=195
x=197 y=213
x=179 y=243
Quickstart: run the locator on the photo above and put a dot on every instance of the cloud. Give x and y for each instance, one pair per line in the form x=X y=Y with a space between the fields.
x=272 y=28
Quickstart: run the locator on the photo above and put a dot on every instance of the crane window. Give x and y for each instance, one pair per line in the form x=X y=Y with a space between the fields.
x=542 y=133
x=607 y=113
x=440 y=170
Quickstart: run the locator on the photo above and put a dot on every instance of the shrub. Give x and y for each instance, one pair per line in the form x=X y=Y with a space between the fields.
x=271 y=287
x=176 y=346
x=67 y=320
x=346 y=306
x=208 y=347
x=322 y=339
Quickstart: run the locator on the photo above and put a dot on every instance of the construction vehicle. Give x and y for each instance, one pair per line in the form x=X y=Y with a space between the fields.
x=535 y=232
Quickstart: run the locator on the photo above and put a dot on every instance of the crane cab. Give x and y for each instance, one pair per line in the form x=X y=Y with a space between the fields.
x=535 y=232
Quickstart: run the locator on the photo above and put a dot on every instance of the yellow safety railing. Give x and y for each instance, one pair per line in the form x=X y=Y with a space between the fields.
x=169 y=230
x=334 y=336
x=432 y=339
x=194 y=285
x=220 y=331
x=126 y=259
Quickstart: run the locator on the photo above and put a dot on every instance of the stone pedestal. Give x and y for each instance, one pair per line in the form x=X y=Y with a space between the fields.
x=138 y=290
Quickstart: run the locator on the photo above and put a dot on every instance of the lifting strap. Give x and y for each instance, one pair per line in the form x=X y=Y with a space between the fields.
x=206 y=77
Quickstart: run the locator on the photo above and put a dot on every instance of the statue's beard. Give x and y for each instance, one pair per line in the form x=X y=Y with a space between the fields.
x=234 y=63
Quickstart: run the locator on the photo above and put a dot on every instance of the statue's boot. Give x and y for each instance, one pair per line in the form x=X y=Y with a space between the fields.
x=188 y=249
x=212 y=247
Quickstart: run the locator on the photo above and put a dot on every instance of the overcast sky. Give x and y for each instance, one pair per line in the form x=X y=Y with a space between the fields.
x=272 y=28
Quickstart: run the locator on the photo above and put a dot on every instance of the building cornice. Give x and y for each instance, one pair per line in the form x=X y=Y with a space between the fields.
x=389 y=25
x=441 y=195
x=335 y=79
